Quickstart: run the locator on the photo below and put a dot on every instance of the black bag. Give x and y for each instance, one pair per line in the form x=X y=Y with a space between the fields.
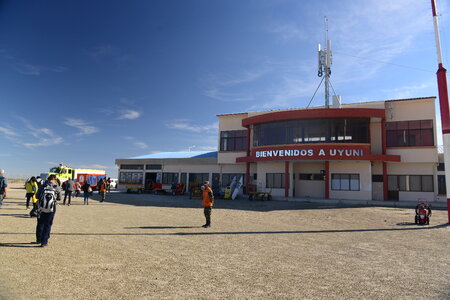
x=34 y=212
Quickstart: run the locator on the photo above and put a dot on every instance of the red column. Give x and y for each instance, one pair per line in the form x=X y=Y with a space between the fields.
x=327 y=179
x=286 y=179
x=249 y=131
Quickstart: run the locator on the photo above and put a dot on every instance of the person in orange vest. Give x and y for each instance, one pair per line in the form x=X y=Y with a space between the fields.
x=208 y=200
x=102 y=189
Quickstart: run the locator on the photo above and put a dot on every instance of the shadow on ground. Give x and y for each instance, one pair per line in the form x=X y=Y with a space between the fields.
x=238 y=204
x=208 y=232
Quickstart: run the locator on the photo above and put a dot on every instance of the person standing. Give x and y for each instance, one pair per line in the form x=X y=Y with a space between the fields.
x=31 y=186
x=3 y=186
x=102 y=189
x=48 y=194
x=87 y=190
x=68 y=191
x=207 y=203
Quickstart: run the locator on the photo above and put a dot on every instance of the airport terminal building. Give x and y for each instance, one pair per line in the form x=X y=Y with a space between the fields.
x=381 y=150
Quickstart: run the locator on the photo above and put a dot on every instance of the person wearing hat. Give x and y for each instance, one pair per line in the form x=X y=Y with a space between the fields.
x=45 y=219
x=207 y=203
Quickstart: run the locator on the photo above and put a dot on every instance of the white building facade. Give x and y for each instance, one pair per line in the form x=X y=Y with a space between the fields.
x=382 y=150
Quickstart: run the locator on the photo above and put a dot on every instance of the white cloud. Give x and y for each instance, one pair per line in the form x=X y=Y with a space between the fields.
x=32 y=136
x=8 y=131
x=182 y=124
x=83 y=127
x=129 y=114
x=409 y=91
x=141 y=145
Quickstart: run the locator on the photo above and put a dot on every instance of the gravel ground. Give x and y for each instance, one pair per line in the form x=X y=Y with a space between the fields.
x=152 y=247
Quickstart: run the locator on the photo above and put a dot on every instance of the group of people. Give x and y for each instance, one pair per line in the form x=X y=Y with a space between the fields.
x=44 y=197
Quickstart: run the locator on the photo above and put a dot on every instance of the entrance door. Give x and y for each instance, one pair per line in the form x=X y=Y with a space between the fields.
x=393 y=187
x=150 y=178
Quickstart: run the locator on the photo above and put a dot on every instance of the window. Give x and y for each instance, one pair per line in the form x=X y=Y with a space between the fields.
x=397 y=183
x=228 y=178
x=377 y=178
x=304 y=176
x=442 y=188
x=311 y=131
x=132 y=167
x=421 y=183
x=275 y=180
x=153 y=167
x=169 y=178
x=198 y=178
x=234 y=140
x=441 y=167
x=409 y=133
x=416 y=183
x=345 y=182
x=131 y=177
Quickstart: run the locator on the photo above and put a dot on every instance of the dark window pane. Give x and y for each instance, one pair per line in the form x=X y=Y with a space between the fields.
x=392 y=183
x=426 y=124
x=377 y=178
x=402 y=182
x=442 y=188
x=427 y=183
x=427 y=137
x=415 y=183
x=441 y=167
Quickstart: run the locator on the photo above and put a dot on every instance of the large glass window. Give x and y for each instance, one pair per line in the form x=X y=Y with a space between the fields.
x=131 y=177
x=311 y=131
x=409 y=133
x=421 y=183
x=345 y=182
x=275 y=180
x=132 y=167
x=411 y=183
x=169 y=178
x=233 y=140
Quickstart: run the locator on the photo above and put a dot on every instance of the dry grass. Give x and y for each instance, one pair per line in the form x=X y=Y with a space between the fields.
x=151 y=247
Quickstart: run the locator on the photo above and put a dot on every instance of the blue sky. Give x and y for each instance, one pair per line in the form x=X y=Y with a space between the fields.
x=86 y=82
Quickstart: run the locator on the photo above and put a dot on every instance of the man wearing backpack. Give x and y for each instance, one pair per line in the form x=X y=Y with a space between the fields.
x=3 y=186
x=47 y=196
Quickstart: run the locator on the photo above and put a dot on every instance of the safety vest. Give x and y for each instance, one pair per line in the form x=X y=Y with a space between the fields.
x=207 y=198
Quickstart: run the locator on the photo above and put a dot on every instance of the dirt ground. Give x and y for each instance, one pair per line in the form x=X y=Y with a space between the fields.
x=152 y=247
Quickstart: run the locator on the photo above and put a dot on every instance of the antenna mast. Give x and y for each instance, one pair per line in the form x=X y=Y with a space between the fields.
x=325 y=63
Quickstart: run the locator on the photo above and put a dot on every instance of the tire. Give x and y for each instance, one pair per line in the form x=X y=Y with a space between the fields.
x=174 y=193
x=155 y=192
x=128 y=191
x=269 y=197
x=139 y=191
x=250 y=197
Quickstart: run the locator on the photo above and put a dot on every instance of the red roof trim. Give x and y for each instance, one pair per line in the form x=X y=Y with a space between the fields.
x=320 y=113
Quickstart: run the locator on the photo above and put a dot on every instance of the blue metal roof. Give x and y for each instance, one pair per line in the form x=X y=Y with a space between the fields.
x=192 y=154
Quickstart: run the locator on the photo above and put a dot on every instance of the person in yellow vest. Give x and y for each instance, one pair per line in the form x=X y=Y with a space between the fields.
x=31 y=186
x=208 y=200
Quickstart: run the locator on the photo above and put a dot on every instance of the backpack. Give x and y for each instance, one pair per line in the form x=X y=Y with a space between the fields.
x=47 y=201
x=2 y=184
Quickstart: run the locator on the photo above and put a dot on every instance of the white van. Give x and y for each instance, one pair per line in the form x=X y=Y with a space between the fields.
x=113 y=183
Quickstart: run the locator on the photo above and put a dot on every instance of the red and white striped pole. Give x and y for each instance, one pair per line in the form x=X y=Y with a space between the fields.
x=443 y=103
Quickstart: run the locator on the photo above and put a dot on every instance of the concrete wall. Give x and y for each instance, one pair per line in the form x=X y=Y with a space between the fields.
x=269 y=167
x=364 y=169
